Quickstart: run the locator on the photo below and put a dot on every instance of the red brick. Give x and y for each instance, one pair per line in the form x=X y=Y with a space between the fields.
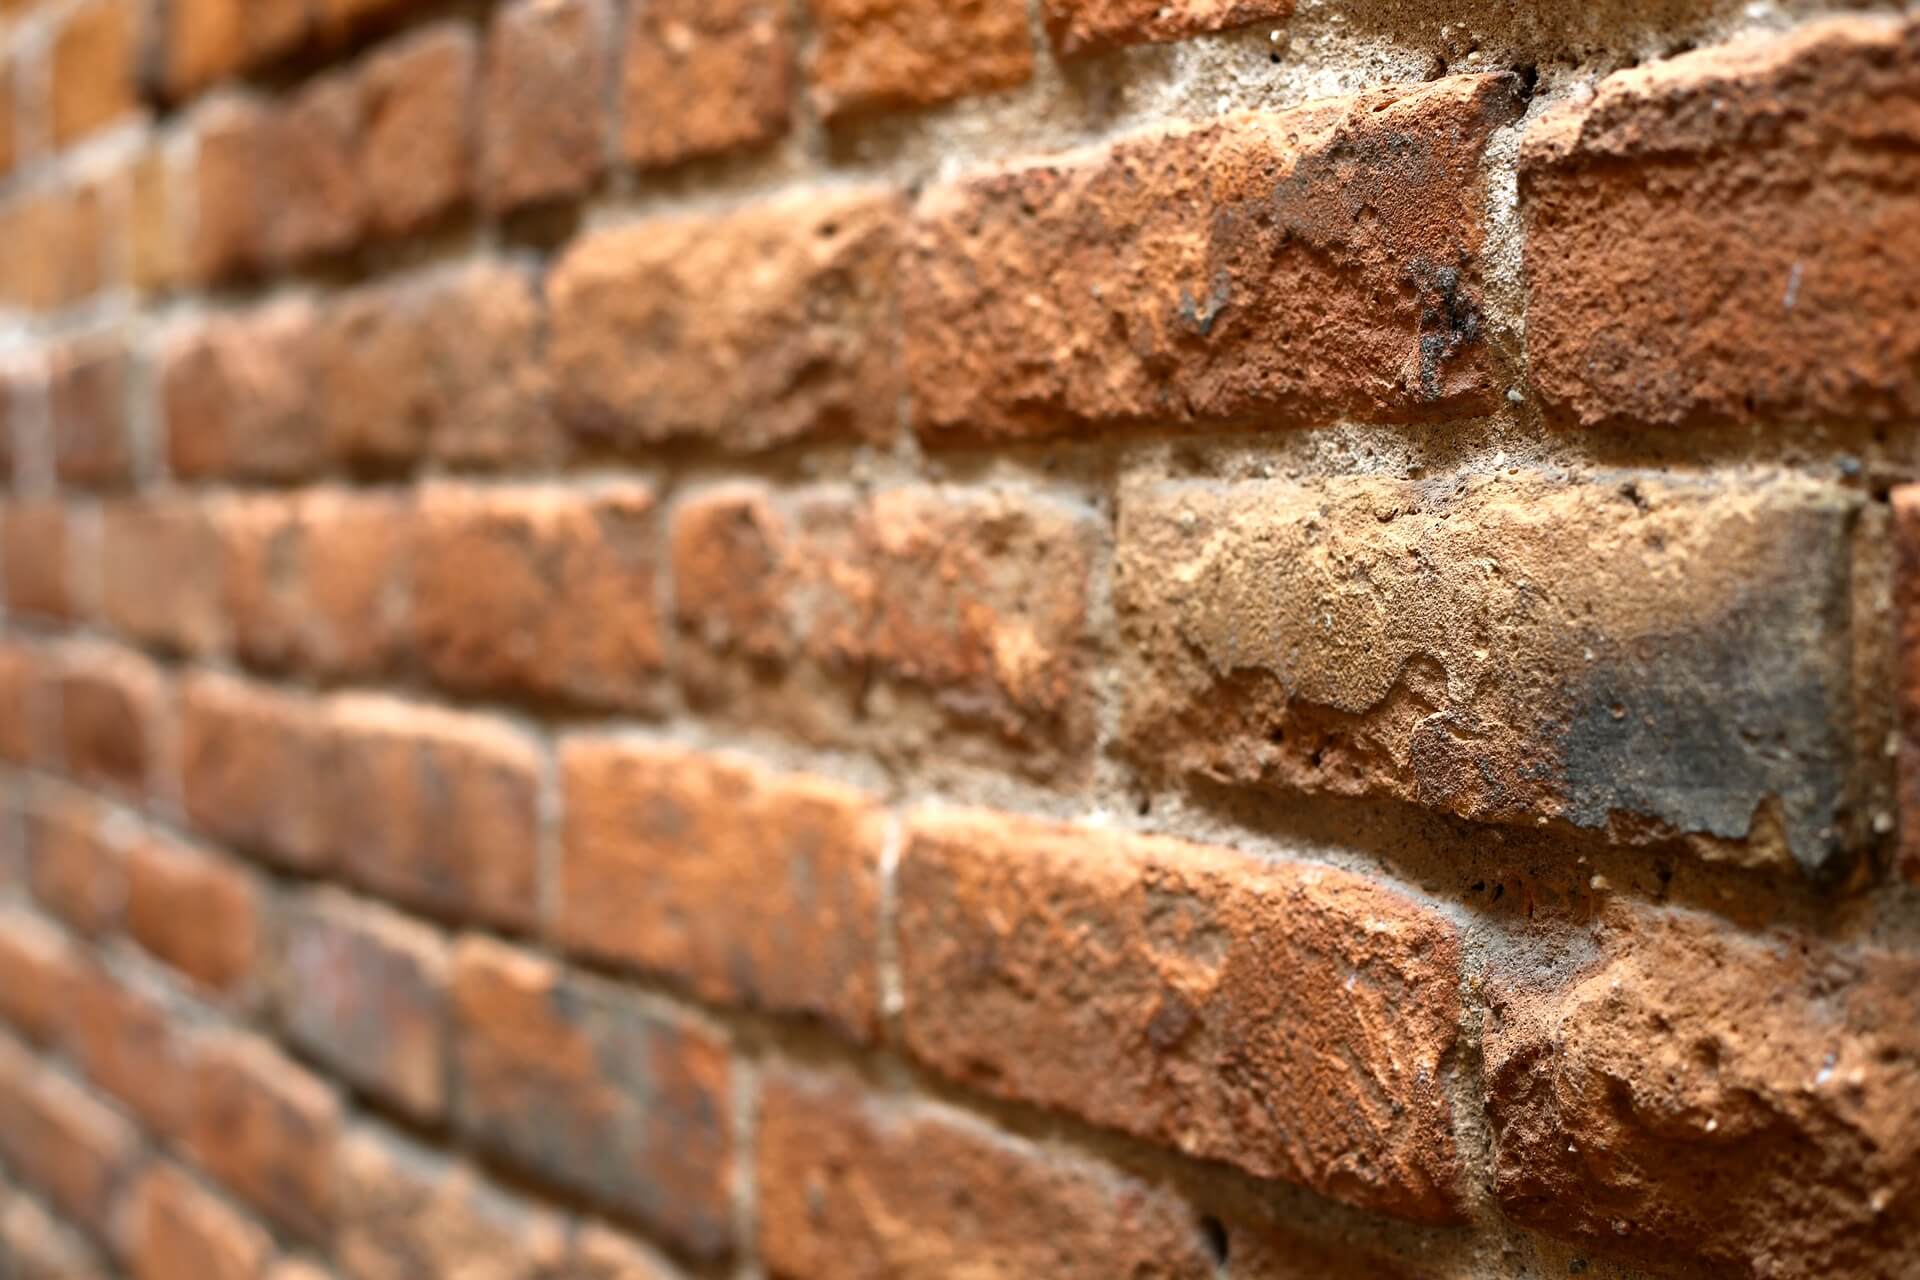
x=1906 y=604
x=238 y=395
x=1079 y=26
x=1187 y=994
x=1517 y=648
x=1688 y=1093
x=254 y=765
x=37 y=549
x=750 y=887
x=129 y=1044
x=702 y=77
x=195 y=912
x=685 y=328
x=236 y=148
x=111 y=704
x=180 y=1232
x=1302 y=266
x=210 y=40
x=25 y=686
x=586 y=1086
x=867 y=1187
x=541 y=593
x=436 y=809
x=87 y=406
x=321 y=206
x=869 y=55
x=417 y=157
x=443 y=366
x=544 y=131
x=1726 y=235
x=38 y=1248
x=93 y=68
x=364 y=991
x=160 y=574
x=407 y=1212
x=70 y=1146
x=39 y=970
x=267 y=1130
x=76 y=860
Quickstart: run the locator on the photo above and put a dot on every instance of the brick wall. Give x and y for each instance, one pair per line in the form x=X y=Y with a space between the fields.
x=959 y=638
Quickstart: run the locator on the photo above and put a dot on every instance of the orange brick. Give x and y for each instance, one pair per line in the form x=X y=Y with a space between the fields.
x=87 y=407
x=94 y=54
x=543 y=123
x=541 y=593
x=205 y=41
x=235 y=151
x=11 y=143
x=237 y=394
x=130 y=1045
x=868 y=55
x=1080 y=26
x=266 y=1130
x=25 y=684
x=600 y=1253
x=321 y=206
x=53 y=243
x=180 y=1232
x=111 y=704
x=587 y=1087
x=39 y=972
x=38 y=1248
x=38 y=554
x=701 y=77
x=254 y=764
x=339 y=17
x=59 y=1139
x=750 y=887
x=195 y=912
x=159 y=187
x=417 y=157
x=76 y=860
x=160 y=574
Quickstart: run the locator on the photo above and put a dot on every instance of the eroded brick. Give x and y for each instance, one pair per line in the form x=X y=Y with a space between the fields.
x=702 y=77
x=1080 y=26
x=417 y=154
x=543 y=124
x=321 y=206
x=869 y=55
x=238 y=395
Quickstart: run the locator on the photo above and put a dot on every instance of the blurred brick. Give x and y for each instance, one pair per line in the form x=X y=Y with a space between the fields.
x=111 y=706
x=37 y=551
x=1082 y=26
x=87 y=409
x=178 y=1231
x=39 y=973
x=59 y=1139
x=195 y=912
x=321 y=204
x=160 y=574
x=238 y=395
x=701 y=77
x=543 y=123
x=236 y=150
x=417 y=154
x=131 y=1045
x=94 y=68
x=266 y=1129
x=253 y=763
x=76 y=859
x=869 y=55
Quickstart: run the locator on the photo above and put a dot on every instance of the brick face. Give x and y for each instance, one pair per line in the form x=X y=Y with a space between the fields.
x=1077 y=26
x=703 y=77
x=547 y=70
x=908 y=53
x=194 y=912
x=267 y=1130
x=417 y=155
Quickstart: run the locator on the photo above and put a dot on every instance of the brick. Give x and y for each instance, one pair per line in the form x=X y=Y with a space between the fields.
x=71 y=1147
x=237 y=394
x=36 y=1247
x=444 y=366
x=1626 y=656
x=130 y=1044
x=111 y=705
x=254 y=764
x=702 y=77
x=1722 y=236
x=25 y=684
x=541 y=593
x=1304 y=266
x=417 y=155
x=35 y=543
x=87 y=406
x=195 y=912
x=267 y=1130
x=871 y=56
x=1082 y=26
x=751 y=887
x=209 y=40
x=1360 y=1251
x=12 y=145
x=322 y=204
x=94 y=56
x=1186 y=994
x=51 y=246
x=436 y=809
x=159 y=248
x=76 y=860
x=236 y=147
x=810 y=609
x=600 y=1253
x=684 y=328
x=364 y=991
x=1906 y=604
x=1687 y=1093
x=39 y=969
x=19 y=382
x=859 y=1186
x=543 y=122
x=181 y=1232
x=586 y=1086
x=339 y=17
x=160 y=562
x=406 y=1212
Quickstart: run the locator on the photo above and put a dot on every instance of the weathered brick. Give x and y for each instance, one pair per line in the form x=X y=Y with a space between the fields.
x=750 y=329
x=11 y=143
x=1723 y=236
x=600 y=1253
x=76 y=859
x=749 y=886
x=1649 y=656
x=1189 y=994
x=701 y=77
x=87 y=406
x=802 y=609
x=364 y=991
x=869 y=56
x=1309 y=265
x=34 y=541
x=111 y=704
x=70 y=1146
x=417 y=152
x=94 y=55
x=36 y=1247
x=585 y=1085
x=321 y=206
x=543 y=122
x=180 y=1232
x=254 y=764
x=130 y=1044
x=25 y=686
x=239 y=398
x=159 y=239
x=406 y=1212
x=541 y=592
x=235 y=148
x=1906 y=603
x=208 y=40
x=1078 y=26
x=195 y=912
x=160 y=560
x=267 y=1130
x=859 y=1186
x=39 y=970
x=1690 y=1093
x=437 y=809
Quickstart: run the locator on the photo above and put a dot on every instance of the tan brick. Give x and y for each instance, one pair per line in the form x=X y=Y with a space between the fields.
x=62 y=1141
x=1185 y=994
x=195 y=912
x=1301 y=266
x=1080 y=26
x=1624 y=656
x=267 y=1130
x=111 y=705
x=254 y=768
x=684 y=328
x=586 y=1086
x=1722 y=236
x=238 y=395
x=38 y=558
x=1689 y=1093
x=751 y=887
x=87 y=406
x=867 y=1187
x=702 y=77
x=130 y=1045
x=235 y=150
x=417 y=156
x=39 y=971
x=38 y=1248
x=160 y=574
x=1906 y=605
x=541 y=593
x=870 y=55
x=321 y=206
x=76 y=860
x=544 y=119
x=364 y=991
x=159 y=249
x=181 y=1232
x=94 y=66
x=52 y=245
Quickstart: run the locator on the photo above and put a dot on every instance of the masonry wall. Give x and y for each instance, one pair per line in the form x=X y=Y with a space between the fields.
x=946 y=638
